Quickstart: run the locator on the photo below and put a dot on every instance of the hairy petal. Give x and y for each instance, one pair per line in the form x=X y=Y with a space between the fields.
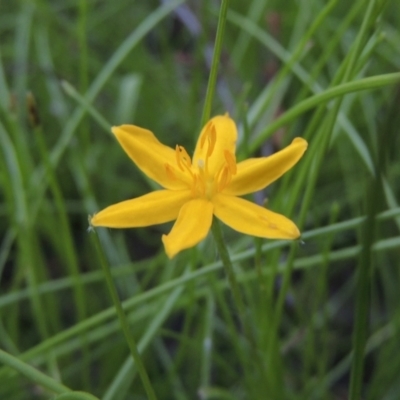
x=152 y=208
x=256 y=173
x=191 y=227
x=251 y=219
x=156 y=160
x=225 y=140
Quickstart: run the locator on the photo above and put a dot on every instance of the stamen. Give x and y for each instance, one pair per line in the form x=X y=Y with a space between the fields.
x=205 y=135
x=178 y=158
x=210 y=135
x=170 y=172
x=212 y=138
x=230 y=161
x=224 y=178
x=182 y=158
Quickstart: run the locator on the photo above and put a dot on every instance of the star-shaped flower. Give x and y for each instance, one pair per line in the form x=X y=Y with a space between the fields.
x=196 y=189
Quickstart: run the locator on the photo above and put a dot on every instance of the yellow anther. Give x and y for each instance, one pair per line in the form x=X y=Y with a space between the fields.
x=182 y=158
x=230 y=161
x=210 y=134
x=178 y=158
x=204 y=136
x=224 y=178
x=212 y=138
x=170 y=172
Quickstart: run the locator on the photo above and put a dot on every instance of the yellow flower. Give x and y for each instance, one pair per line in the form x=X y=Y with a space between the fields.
x=196 y=189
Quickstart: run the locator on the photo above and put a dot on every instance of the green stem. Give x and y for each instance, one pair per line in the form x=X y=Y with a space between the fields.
x=83 y=67
x=76 y=396
x=363 y=294
x=372 y=82
x=123 y=321
x=32 y=373
x=227 y=263
x=62 y=222
x=363 y=297
x=215 y=62
x=63 y=226
x=237 y=295
x=86 y=105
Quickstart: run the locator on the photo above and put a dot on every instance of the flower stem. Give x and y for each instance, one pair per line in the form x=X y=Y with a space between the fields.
x=123 y=321
x=32 y=373
x=215 y=62
x=226 y=261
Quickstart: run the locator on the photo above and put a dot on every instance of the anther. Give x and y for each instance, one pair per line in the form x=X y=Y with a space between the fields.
x=170 y=172
x=182 y=158
x=230 y=161
x=212 y=138
x=205 y=135
x=178 y=158
x=224 y=178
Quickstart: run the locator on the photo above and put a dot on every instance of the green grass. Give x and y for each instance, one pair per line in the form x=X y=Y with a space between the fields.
x=319 y=317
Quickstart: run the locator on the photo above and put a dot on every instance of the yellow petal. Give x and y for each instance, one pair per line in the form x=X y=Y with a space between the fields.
x=225 y=140
x=156 y=160
x=191 y=227
x=153 y=208
x=257 y=173
x=251 y=219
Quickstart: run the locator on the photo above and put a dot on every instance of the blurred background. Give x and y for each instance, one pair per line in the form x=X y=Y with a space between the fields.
x=69 y=70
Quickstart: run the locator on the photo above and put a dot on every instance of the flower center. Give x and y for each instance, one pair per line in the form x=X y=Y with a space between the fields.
x=206 y=177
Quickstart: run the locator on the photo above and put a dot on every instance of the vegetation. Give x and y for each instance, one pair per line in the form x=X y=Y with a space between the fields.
x=315 y=318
